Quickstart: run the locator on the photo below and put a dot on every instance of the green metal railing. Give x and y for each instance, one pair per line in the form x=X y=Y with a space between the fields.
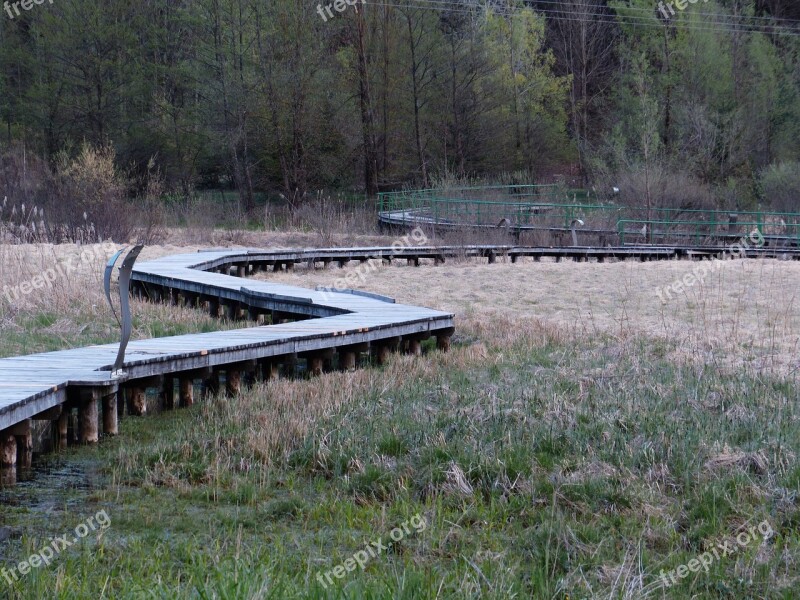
x=544 y=207
x=700 y=230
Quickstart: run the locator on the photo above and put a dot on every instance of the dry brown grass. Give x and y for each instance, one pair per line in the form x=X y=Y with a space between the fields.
x=743 y=315
x=73 y=309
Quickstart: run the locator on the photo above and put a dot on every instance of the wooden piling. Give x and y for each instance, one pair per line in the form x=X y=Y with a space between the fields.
x=230 y=310
x=8 y=458
x=382 y=354
x=137 y=401
x=213 y=307
x=187 y=392
x=211 y=385
x=347 y=360
x=61 y=437
x=168 y=394
x=233 y=382
x=443 y=342
x=110 y=418
x=270 y=369
x=88 y=415
x=315 y=364
x=24 y=439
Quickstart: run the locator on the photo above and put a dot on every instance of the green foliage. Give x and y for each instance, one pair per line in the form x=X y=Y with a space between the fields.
x=780 y=186
x=263 y=96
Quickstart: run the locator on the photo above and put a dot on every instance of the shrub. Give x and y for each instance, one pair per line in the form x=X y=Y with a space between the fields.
x=780 y=186
x=85 y=198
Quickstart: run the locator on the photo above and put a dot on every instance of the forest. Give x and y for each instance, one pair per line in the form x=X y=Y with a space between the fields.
x=688 y=106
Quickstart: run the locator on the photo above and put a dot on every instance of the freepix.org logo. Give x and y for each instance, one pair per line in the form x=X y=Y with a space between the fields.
x=415 y=525
x=339 y=5
x=56 y=546
x=24 y=4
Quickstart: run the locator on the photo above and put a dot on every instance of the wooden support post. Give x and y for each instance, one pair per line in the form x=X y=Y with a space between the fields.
x=8 y=458
x=88 y=415
x=382 y=354
x=137 y=401
x=315 y=364
x=231 y=308
x=110 y=420
x=347 y=360
x=168 y=394
x=211 y=385
x=213 y=307
x=233 y=382
x=443 y=342
x=289 y=364
x=187 y=392
x=269 y=369
x=61 y=431
x=22 y=432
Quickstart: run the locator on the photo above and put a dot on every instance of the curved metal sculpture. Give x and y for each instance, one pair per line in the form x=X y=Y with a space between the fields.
x=124 y=319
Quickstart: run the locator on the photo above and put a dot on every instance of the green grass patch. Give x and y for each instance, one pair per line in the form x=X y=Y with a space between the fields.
x=557 y=470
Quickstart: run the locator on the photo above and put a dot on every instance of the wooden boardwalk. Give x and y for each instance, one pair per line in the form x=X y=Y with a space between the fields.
x=317 y=326
x=75 y=388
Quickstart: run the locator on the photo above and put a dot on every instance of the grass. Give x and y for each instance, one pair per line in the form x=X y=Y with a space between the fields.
x=545 y=460
x=541 y=469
